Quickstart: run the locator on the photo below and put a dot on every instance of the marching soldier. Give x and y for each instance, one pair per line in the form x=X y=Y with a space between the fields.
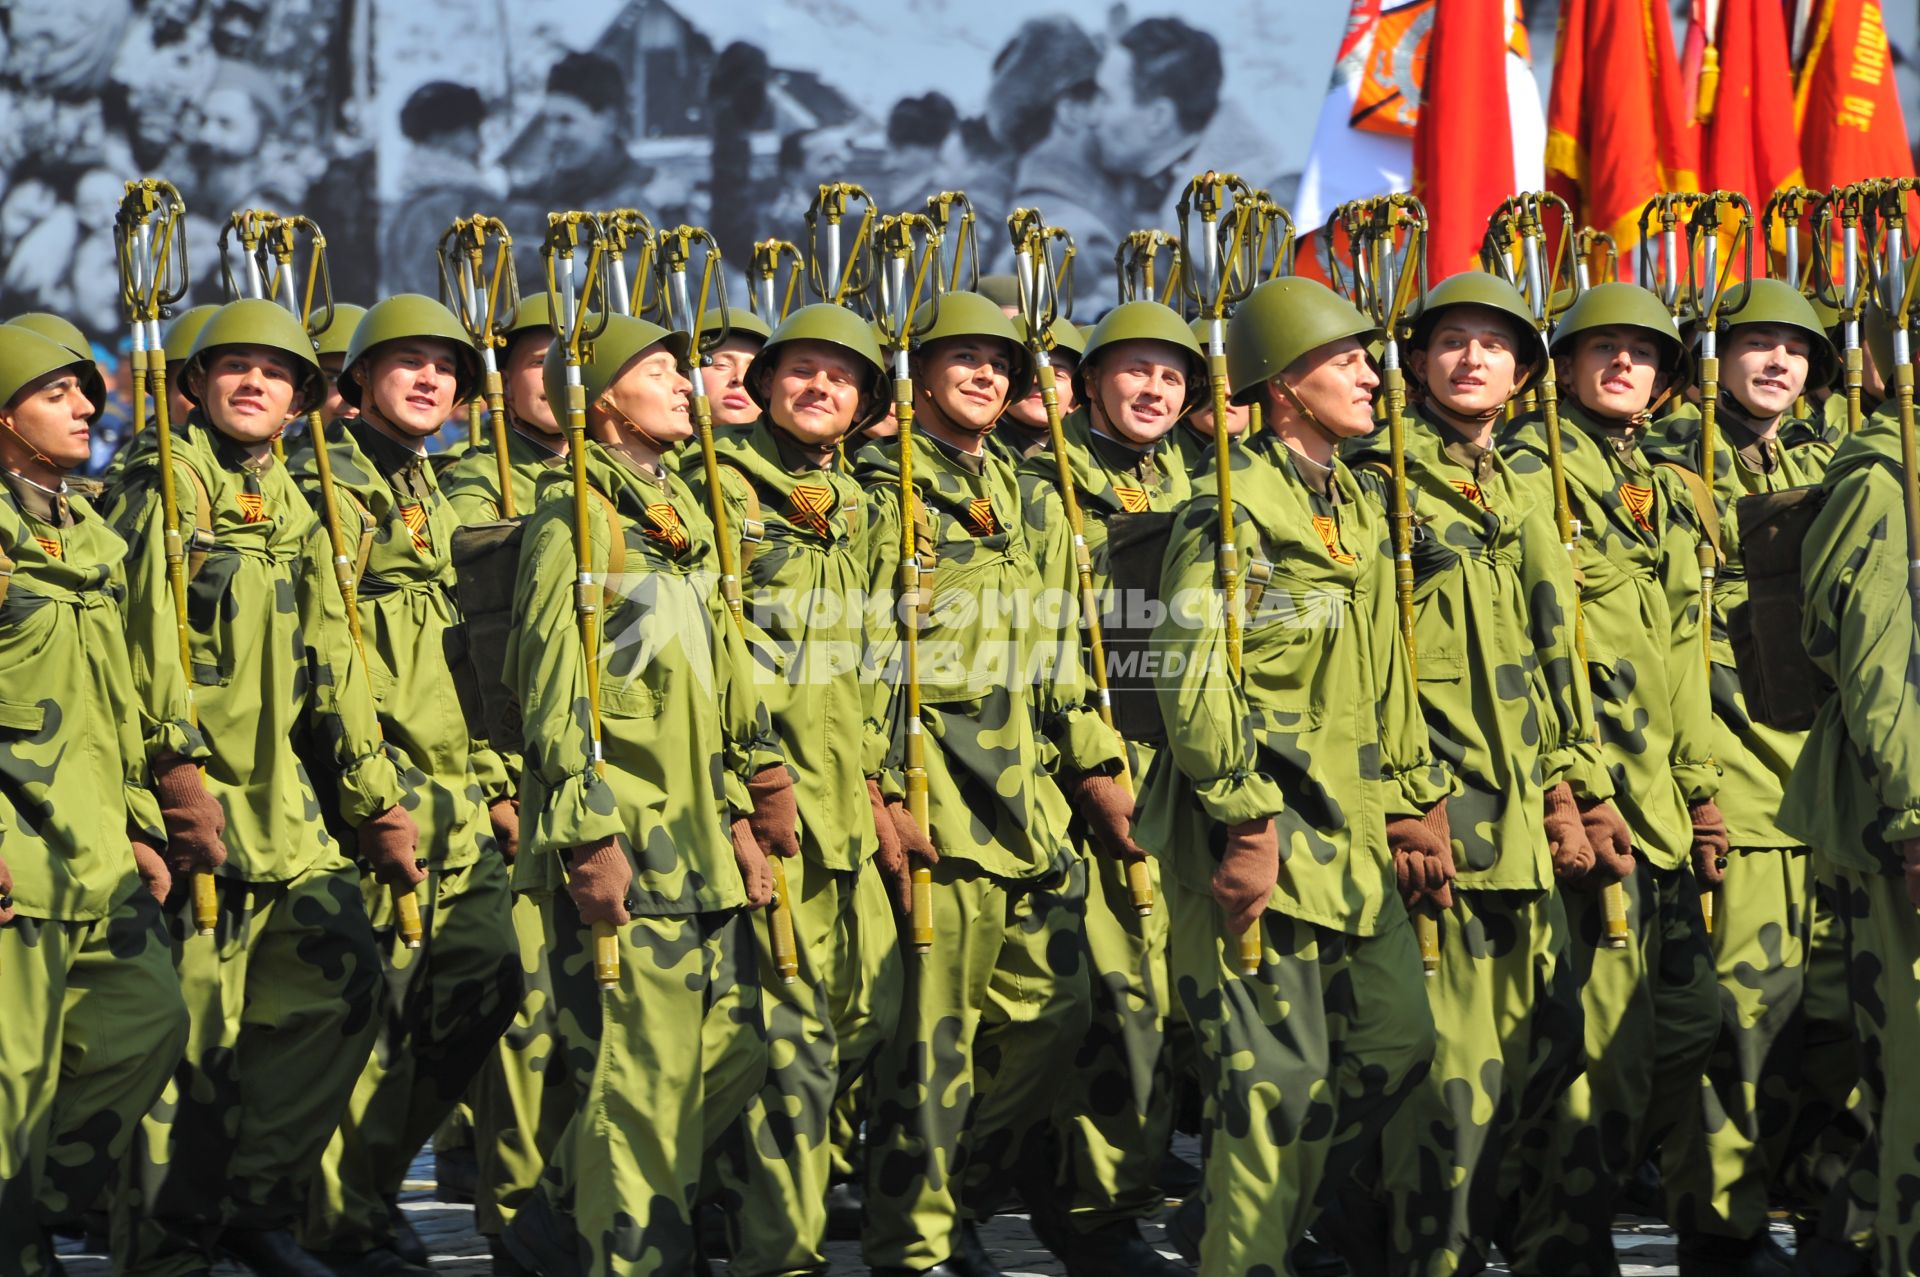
x=178 y=343
x=1141 y=371
x=725 y=371
x=94 y=1019
x=799 y=523
x=1651 y=1007
x=1193 y=442
x=660 y=844
x=1765 y=1089
x=410 y=362
x=1304 y=1060
x=1023 y=431
x=1506 y=704
x=283 y=996
x=536 y=441
x=330 y=348
x=991 y=1014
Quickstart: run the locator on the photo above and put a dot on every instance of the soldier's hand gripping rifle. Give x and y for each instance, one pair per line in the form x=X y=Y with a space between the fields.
x=1903 y=280
x=312 y=305
x=687 y=310
x=486 y=300
x=626 y=227
x=906 y=272
x=836 y=275
x=1848 y=294
x=1389 y=238
x=1543 y=276
x=1036 y=276
x=572 y=291
x=769 y=301
x=150 y=238
x=1217 y=255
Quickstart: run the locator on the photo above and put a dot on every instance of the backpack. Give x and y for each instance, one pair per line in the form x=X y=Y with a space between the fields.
x=1783 y=688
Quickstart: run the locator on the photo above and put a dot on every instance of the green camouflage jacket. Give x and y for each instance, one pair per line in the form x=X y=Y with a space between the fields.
x=275 y=676
x=1754 y=759
x=1639 y=600
x=1195 y=450
x=73 y=758
x=1322 y=731
x=1854 y=794
x=1005 y=703
x=472 y=484
x=681 y=728
x=410 y=626
x=1500 y=688
x=806 y=628
x=1015 y=443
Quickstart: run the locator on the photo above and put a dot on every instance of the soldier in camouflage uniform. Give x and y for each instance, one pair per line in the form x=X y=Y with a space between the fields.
x=800 y=529
x=725 y=370
x=1142 y=369
x=1854 y=798
x=94 y=1016
x=1651 y=1008
x=663 y=843
x=284 y=996
x=1763 y=1097
x=1303 y=1062
x=408 y=365
x=1194 y=440
x=1506 y=705
x=536 y=441
x=962 y=1091
x=1022 y=432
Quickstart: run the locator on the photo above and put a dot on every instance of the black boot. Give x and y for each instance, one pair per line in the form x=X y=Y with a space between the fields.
x=272 y=1252
x=1113 y=1250
x=1708 y=1255
x=381 y=1261
x=969 y=1257
x=406 y=1243
x=846 y=1212
x=504 y=1264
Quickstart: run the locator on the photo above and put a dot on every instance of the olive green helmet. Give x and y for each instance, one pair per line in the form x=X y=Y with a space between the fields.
x=1490 y=292
x=184 y=331
x=1001 y=290
x=1067 y=339
x=410 y=315
x=337 y=336
x=1778 y=303
x=63 y=332
x=253 y=321
x=835 y=326
x=1280 y=321
x=606 y=356
x=1145 y=321
x=26 y=356
x=739 y=323
x=1623 y=306
x=971 y=315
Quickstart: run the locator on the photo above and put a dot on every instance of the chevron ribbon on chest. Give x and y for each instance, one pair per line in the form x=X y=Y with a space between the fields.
x=253 y=507
x=1330 y=537
x=414 y=515
x=810 y=506
x=1639 y=504
x=980 y=517
x=1132 y=500
x=664 y=528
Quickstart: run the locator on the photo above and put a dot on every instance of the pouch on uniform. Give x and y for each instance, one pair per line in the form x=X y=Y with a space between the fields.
x=1784 y=689
x=486 y=563
x=1136 y=551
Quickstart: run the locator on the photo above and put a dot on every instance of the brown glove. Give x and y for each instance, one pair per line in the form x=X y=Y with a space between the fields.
x=1247 y=872
x=387 y=844
x=892 y=857
x=1423 y=856
x=6 y=894
x=1566 y=836
x=775 y=817
x=149 y=865
x=1909 y=858
x=1710 y=843
x=194 y=818
x=755 y=874
x=504 y=814
x=1107 y=808
x=913 y=839
x=1612 y=844
x=598 y=877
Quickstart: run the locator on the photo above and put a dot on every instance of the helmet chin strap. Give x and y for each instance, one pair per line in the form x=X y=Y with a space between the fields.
x=1303 y=412
x=606 y=404
x=944 y=418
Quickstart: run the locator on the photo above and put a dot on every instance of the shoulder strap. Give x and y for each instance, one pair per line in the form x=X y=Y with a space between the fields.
x=753 y=530
x=202 y=522
x=1702 y=504
x=927 y=549
x=616 y=551
x=364 y=549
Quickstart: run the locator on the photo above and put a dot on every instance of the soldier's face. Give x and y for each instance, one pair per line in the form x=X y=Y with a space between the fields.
x=178 y=405
x=247 y=391
x=1764 y=367
x=1201 y=418
x=1140 y=387
x=966 y=379
x=1031 y=411
x=726 y=384
x=333 y=407
x=410 y=384
x=1615 y=370
x=48 y=417
x=1469 y=363
x=654 y=394
x=1336 y=383
x=814 y=392
x=526 y=385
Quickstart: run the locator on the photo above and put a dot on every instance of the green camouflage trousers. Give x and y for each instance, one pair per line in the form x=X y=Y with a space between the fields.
x=679 y=1048
x=1652 y=1014
x=93 y=1027
x=1302 y=1065
x=447 y=1004
x=1771 y=1088
x=775 y=1164
x=1507 y=1016
x=284 y=1000
x=962 y=1093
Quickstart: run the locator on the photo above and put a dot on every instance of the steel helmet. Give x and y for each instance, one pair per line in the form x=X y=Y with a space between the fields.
x=1622 y=305
x=606 y=356
x=971 y=315
x=1280 y=321
x=835 y=326
x=1145 y=321
x=1778 y=303
x=184 y=331
x=410 y=315
x=253 y=321
x=1478 y=288
x=338 y=334
x=63 y=332
x=26 y=356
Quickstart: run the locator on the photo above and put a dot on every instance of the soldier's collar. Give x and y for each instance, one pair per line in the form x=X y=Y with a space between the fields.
x=534 y=439
x=1757 y=449
x=649 y=470
x=974 y=463
x=1318 y=478
x=787 y=450
x=1475 y=458
x=1118 y=453
x=394 y=460
x=49 y=505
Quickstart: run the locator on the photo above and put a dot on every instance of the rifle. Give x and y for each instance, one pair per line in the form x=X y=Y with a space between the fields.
x=150 y=238
x=1136 y=265
x=625 y=226
x=960 y=259
x=1783 y=220
x=576 y=325
x=1847 y=295
x=1593 y=248
x=250 y=227
x=834 y=276
x=1902 y=278
x=485 y=300
x=768 y=302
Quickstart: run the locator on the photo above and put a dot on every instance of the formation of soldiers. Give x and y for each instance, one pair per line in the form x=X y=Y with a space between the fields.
x=870 y=764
